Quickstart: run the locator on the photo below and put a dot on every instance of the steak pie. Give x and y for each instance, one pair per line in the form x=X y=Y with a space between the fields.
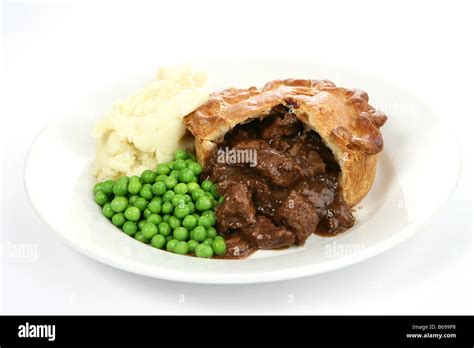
x=290 y=159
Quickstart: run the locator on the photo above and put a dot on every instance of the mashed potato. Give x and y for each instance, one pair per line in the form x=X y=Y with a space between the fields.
x=147 y=127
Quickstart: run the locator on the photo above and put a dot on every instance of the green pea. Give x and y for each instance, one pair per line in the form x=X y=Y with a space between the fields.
x=189 y=161
x=186 y=175
x=147 y=213
x=181 y=188
x=219 y=247
x=130 y=228
x=170 y=182
x=177 y=200
x=134 y=178
x=211 y=215
x=149 y=230
x=118 y=219
x=174 y=174
x=193 y=186
x=168 y=196
x=141 y=203
x=158 y=241
x=140 y=237
x=163 y=169
x=146 y=192
x=211 y=232
x=123 y=178
x=203 y=203
x=107 y=211
x=148 y=176
x=167 y=207
x=189 y=222
x=170 y=245
x=181 y=248
x=97 y=187
x=101 y=198
x=195 y=167
x=141 y=224
x=196 y=216
x=198 y=233
x=119 y=204
x=133 y=199
x=181 y=233
x=214 y=192
x=154 y=219
x=166 y=217
x=197 y=194
x=208 y=241
x=206 y=185
x=120 y=187
x=161 y=178
x=134 y=187
x=174 y=222
x=108 y=186
x=154 y=207
x=204 y=221
x=180 y=155
x=178 y=164
x=132 y=214
x=164 y=229
x=204 y=250
x=158 y=188
x=181 y=211
x=219 y=238
x=192 y=244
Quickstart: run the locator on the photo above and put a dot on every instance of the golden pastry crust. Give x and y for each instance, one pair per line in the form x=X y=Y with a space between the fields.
x=342 y=117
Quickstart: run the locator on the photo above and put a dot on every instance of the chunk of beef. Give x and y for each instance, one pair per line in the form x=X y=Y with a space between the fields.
x=320 y=191
x=238 y=247
x=270 y=203
x=339 y=217
x=259 y=186
x=279 y=168
x=282 y=144
x=281 y=126
x=265 y=235
x=261 y=192
x=220 y=172
x=307 y=158
x=316 y=142
x=237 y=209
x=298 y=215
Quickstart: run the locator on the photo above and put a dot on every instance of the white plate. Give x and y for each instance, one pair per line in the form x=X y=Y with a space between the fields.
x=416 y=173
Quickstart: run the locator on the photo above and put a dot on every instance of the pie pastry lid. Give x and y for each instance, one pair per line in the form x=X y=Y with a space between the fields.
x=343 y=118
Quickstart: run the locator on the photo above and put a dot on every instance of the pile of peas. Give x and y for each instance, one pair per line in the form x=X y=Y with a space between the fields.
x=167 y=208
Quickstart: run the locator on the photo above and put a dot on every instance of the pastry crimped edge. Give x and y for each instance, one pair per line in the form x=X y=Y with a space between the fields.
x=347 y=124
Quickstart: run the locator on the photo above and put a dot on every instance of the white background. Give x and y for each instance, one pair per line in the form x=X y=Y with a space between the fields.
x=55 y=50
